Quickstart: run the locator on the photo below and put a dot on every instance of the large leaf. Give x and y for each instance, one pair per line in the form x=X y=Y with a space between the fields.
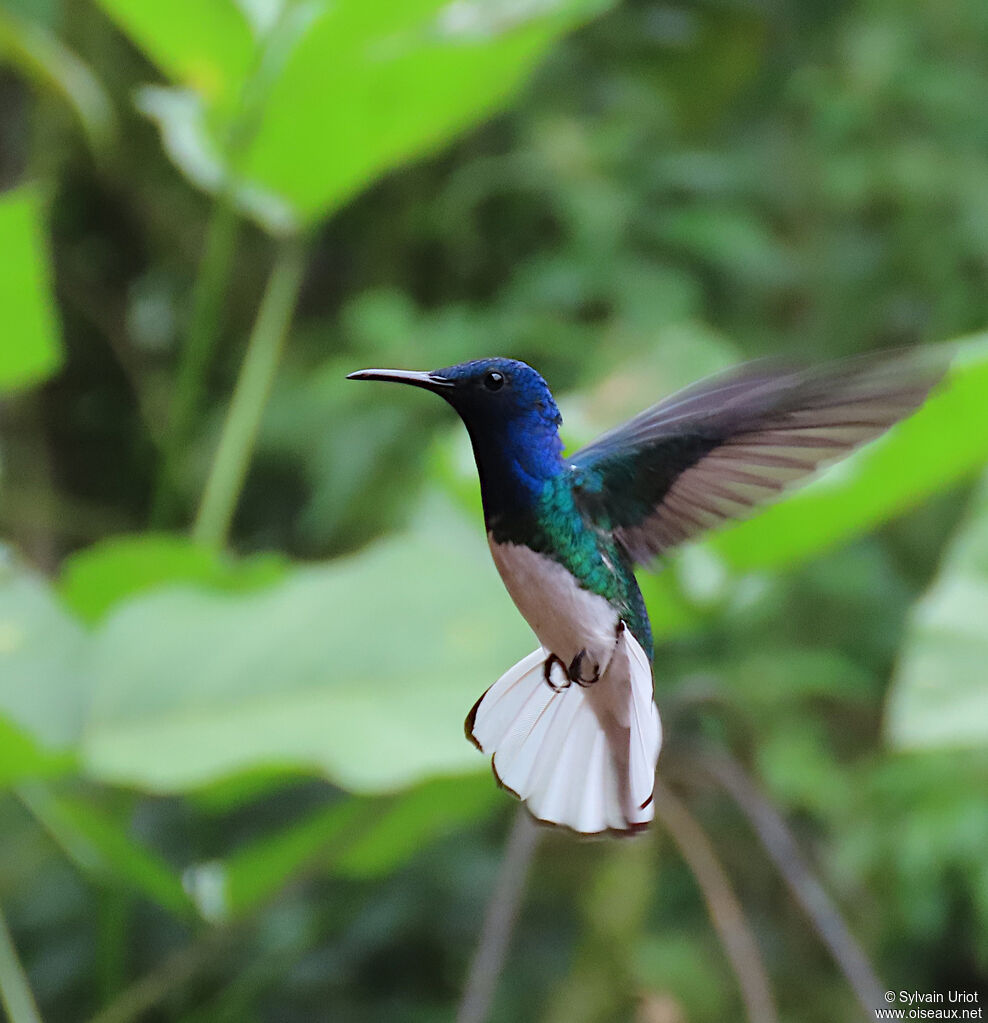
x=193 y=686
x=102 y=848
x=359 y=837
x=22 y=756
x=940 y=694
x=258 y=871
x=30 y=348
x=206 y=45
x=340 y=92
x=98 y=577
x=435 y=808
x=44 y=681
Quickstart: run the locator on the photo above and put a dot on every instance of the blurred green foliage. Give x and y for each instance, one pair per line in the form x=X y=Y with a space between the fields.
x=26 y=295
x=233 y=783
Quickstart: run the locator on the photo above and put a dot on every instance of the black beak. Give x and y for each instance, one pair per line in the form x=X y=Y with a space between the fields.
x=430 y=381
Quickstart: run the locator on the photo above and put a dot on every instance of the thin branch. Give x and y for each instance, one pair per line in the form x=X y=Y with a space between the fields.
x=250 y=397
x=725 y=910
x=499 y=921
x=15 y=992
x=134 y=1002
x=223 y=230
x=809 y=893
x=215 y=271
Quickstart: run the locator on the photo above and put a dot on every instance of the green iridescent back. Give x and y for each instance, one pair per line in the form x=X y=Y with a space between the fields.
x=592 y=555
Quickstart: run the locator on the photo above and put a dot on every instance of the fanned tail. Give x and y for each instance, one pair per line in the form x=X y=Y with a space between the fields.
x=580 y=757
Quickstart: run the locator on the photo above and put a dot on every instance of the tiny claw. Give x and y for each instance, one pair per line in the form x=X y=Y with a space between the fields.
x=547 y=673
x=576 y=671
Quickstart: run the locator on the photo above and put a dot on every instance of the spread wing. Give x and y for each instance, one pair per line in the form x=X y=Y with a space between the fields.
x=714 y=451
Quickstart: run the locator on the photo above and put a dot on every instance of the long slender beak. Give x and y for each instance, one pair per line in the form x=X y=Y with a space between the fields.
x=430 y=381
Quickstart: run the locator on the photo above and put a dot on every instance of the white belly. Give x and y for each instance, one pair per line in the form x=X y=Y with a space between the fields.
x=565 y=617
x=580 y=755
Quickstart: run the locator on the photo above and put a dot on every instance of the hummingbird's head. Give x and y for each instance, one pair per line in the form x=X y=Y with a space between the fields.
x=491 y=395
x=508 y=411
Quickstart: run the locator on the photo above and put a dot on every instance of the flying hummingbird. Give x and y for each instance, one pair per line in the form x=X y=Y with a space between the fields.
x=572 y=729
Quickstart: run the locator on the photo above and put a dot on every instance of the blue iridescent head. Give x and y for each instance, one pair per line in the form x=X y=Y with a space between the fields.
x=511 y=417
x=489 y=392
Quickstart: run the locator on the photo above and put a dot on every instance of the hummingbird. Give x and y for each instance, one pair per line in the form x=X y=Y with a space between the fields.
x=573 y=729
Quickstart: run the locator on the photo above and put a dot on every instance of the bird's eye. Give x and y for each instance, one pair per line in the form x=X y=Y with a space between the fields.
x=494 y=381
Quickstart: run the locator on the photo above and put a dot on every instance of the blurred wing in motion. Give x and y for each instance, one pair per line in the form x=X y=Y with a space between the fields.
x=717 y=449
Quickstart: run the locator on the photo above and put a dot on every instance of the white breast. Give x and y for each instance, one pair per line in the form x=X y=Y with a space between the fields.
x=565 y=617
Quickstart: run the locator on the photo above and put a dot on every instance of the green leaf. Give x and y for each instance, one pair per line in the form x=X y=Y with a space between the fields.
x=940 y=693
x=205 y=45
x=21 y=756
x=374 y=83
x=31 y=348
x=361 y=838
x=182 y=120
x=249 y=786
x=436 y=808
x=670 y=611
x=44 y=679
x=798 y=766
x=259 y=871
x=100 y=847
x=944 y=442
x=363 y=669
x=336 y=94
x=96 y=579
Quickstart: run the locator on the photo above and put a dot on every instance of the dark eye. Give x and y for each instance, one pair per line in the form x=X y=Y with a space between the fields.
x=494 y=381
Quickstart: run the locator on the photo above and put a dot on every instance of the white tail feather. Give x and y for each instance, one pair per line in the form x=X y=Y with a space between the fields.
x=581 y=757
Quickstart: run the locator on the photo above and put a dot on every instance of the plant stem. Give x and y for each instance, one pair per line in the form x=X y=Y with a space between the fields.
x=172 y=973
x=216 y=265
x=114 y=911
x=207 y=302
x=229 y=468
x=499 y=921
x=15 y=992
x=780 y=844
x=723 y=906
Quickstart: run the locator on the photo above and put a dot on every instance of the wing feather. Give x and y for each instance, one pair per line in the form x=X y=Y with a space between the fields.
x=723 y=446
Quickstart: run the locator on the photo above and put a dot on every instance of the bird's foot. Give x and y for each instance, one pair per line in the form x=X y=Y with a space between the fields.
x=575 y=670
x=550 y=661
